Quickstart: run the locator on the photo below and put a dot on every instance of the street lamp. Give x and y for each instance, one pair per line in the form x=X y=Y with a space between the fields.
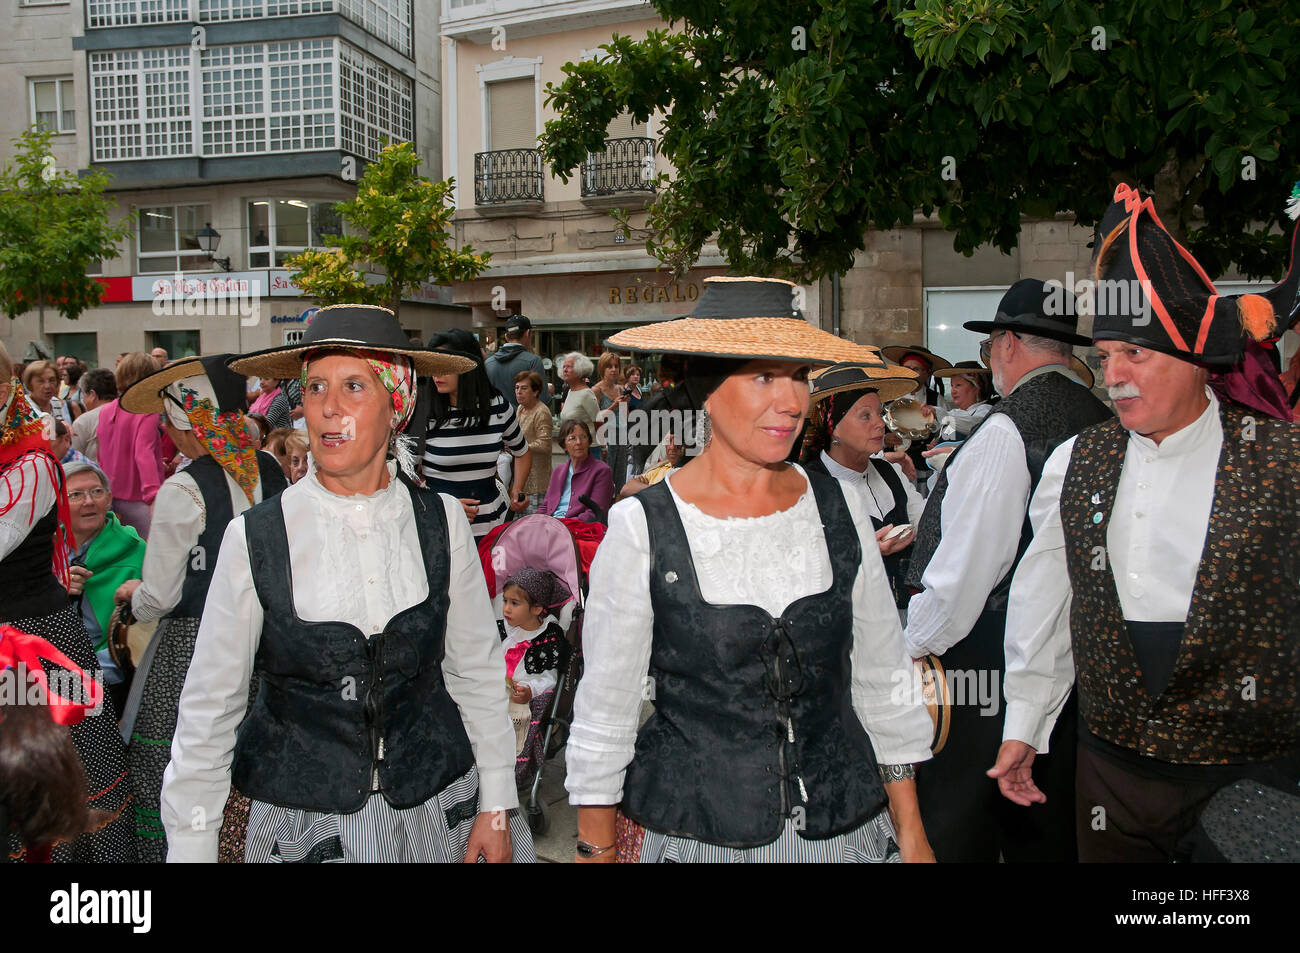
x=209 y=238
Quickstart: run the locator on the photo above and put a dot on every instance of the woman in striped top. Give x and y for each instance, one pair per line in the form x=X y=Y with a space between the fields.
x=469 y=426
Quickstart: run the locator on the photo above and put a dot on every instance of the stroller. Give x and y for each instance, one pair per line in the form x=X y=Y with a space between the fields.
x=545 y=543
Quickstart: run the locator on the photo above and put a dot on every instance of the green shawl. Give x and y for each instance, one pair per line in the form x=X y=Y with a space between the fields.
x=115 y=555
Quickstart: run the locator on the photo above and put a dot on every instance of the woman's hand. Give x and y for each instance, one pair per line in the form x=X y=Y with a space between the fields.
x=470 y=506
x=490 y=839
x=519 y=505
x=521 y=694
x=904 y=462
x=914 y=848
x=77 y=577
x=633 y=487
x=126 y=591
x=890 y=546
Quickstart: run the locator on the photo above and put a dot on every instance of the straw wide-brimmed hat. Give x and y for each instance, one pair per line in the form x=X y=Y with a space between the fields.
x=746 y=319
x=896 y=353
x=890 y=381
x=349 y=326
x=145 y=396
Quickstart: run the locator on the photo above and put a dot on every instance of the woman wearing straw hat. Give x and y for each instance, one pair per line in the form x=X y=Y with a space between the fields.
x=846 y=434
x=741 y=596
x=379 y=731
x=201 y=402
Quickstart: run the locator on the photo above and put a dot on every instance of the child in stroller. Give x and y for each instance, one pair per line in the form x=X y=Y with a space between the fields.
x=534 y=651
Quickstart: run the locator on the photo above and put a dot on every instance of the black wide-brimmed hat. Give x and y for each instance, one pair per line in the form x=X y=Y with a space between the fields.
x=145 y=396
x=747 y=319
x=890 y=382
x=900 y=352
x=963 y=367
x=348 y=326
x=1162 y=298
x=1036 y=307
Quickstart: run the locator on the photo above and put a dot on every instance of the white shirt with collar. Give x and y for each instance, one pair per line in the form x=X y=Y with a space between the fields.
x=1154 y=541
x=871 y=488
x=355 y=559
x=982 y=513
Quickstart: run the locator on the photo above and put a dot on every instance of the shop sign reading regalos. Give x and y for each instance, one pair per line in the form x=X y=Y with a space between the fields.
x=650 y=293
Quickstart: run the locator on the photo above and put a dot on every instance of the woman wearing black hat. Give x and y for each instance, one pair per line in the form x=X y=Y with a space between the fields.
x=747 y=599
x=379 y=731
x=201 y=401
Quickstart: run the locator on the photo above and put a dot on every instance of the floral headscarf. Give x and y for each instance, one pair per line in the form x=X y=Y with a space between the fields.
x=22 y=431
x=192 y=405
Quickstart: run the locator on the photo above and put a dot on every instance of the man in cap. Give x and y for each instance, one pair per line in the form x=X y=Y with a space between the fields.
x=515 y=356
x=971 y=536
x=1162 y=576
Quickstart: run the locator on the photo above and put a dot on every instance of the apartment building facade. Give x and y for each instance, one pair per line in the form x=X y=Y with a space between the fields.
x=230 y=128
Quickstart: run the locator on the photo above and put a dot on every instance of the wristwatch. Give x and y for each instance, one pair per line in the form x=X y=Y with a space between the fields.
x=590 y=850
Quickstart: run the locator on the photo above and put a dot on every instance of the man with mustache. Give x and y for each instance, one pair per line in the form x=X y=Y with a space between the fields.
x=969 y=541
x=1162 y=576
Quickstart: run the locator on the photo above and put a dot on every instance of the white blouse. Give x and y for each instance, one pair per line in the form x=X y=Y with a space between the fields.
x=354 y=559
x=875 y=494
x=768 y=561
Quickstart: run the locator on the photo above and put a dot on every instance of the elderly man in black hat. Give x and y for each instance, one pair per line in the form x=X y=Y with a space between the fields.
x=515 y=356
x=1162 y=573
x=970 y=539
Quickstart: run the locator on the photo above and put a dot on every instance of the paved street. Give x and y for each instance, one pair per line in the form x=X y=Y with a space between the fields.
x=556 y=845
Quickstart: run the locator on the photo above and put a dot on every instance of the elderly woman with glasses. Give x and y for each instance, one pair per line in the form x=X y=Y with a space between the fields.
x=747 y=599
x=379 y=730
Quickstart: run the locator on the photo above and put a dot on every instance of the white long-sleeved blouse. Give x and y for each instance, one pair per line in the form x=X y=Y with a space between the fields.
x=768 y=561
x=354 y=559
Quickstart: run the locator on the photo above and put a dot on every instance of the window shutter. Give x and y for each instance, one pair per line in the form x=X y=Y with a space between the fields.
x=512 y=114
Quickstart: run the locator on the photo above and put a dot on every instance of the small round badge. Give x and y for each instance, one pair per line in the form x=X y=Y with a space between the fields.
x=1096 y=517
x=671 y=576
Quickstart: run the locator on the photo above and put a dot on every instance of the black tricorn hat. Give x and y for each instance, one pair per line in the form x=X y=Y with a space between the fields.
x=1161 y=298
x=348 y=327
x=1036 y=307
x=145 y=396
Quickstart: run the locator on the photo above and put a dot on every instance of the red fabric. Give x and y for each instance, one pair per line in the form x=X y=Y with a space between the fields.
x=41 y=460
x=1253 y=383
x=485 y=556
x=19 y=648
x=513 y=655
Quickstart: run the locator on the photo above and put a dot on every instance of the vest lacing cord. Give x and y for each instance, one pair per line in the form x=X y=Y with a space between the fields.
x=784 y=680
x=375 y=704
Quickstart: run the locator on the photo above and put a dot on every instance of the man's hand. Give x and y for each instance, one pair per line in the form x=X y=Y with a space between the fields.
x=1015 y=774
x=77 y=577
x=490 y=839
x=126 y=591
x=890 y=546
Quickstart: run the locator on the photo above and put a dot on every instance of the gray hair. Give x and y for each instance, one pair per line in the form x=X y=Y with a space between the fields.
x=72 y=469
x=582 y=365
x=1047 y=346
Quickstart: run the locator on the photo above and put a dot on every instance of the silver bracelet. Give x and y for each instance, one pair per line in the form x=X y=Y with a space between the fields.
x=889 y=773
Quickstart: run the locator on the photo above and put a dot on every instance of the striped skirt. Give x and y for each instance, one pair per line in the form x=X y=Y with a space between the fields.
x=870 y=843
x=436 y=831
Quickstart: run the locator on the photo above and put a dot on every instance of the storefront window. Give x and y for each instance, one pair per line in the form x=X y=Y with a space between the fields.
x=278 y=229
x=168 y=238
x=176 y=343
x=83 y=345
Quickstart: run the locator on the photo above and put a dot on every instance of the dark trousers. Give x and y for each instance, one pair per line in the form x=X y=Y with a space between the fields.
x=966 y=817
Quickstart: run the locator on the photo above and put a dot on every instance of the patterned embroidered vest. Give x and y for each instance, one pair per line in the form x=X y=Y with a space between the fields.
x=1235 y=690
x=754 y=718
x=1047 y=410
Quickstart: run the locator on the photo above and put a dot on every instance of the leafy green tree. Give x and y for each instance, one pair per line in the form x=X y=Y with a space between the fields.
x=53 y=226
x=795 y=126
x=399 y=225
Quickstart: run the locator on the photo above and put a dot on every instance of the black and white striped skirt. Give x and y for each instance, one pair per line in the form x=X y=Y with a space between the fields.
x=871 y=843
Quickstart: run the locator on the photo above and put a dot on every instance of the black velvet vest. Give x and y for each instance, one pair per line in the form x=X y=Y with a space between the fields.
x=753 y=717
x=217 y=514
x=28 y=586
x=1234 y=693
x=329 y=695
x=1047 y=410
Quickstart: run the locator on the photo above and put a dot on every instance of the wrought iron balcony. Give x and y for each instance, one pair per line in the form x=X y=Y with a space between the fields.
x=626 y=165
x=507 y=175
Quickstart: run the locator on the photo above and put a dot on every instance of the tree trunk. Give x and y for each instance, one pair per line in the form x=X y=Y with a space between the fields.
x=1178 y=187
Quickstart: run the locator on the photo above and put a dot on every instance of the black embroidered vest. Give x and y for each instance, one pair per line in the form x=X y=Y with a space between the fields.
x=753 y=717
x=328 y=695
x=217 y=514
x=895 y=563
x=1047 y=410
x=28 y=586
x=1234 y=694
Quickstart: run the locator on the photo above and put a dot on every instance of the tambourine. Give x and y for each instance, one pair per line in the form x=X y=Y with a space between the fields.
x=937 y=698
x=907 y=418
x=128 y=638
